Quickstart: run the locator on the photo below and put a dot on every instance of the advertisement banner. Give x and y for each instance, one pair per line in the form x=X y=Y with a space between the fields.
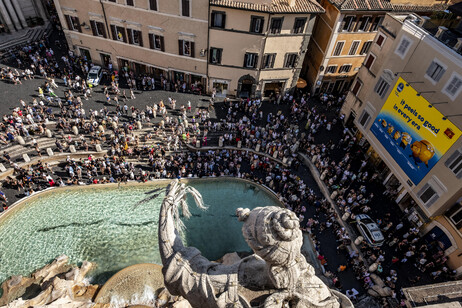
x=414 y=132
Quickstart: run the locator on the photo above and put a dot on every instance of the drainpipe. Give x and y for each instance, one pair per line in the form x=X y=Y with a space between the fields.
x=262 y=52
x=208 y=49
x=105 y=19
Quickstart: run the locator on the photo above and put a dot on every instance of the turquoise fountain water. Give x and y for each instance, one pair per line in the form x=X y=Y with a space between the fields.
x=104 y=226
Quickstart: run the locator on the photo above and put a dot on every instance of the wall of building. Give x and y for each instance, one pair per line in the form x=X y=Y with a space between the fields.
x=423 y=50
x=320 y=42
x=235 y=40
x=166 y=21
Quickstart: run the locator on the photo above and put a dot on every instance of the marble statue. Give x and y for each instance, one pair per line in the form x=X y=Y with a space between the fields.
x=277 y=265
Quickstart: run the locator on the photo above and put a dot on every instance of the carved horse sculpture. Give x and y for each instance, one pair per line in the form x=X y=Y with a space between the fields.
x=277 y=266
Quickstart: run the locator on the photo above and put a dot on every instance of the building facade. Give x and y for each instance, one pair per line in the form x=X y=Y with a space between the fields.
x=16 y=15
x=404 y=107
x=167 y=39
x=343 y=35
x=257 y=48
x=250 y=49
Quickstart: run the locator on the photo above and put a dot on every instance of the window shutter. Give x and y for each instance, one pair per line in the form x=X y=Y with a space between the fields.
x=223 y=18
x=130 y=36
x=124 y=35
x=219 y=56
x=255 y=63
x=69 y=22
x=245 y=60
x=162 y=45
x=192 y=49
x=342 y=25
x=104 y=31
x=454 y=163
x=211 y=55
x=78 y=24
x=180 y=47
x=431 y=68
x=151 y=40
x=93 y=27
x=114 y=32
x=213 y=19
x=273 y=57
x=140 y=38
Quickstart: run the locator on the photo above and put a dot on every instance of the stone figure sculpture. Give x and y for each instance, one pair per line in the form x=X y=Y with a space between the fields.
x=277 y=264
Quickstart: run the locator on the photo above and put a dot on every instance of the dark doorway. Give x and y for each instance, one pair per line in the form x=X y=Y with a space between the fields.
x=272 y=88
x=246 y=86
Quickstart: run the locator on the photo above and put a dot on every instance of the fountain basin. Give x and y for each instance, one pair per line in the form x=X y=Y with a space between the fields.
x=116 y=227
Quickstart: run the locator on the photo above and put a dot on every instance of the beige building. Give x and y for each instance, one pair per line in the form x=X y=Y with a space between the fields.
x=343 y=35
x=257 y=47
x=164 y=38
x=404 y=107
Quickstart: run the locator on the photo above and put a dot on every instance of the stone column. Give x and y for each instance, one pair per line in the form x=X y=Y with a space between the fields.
x=41 y=10
x=18 y=9
x=6 y=17
x=15 y=19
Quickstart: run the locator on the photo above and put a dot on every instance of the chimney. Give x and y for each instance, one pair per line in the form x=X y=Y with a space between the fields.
x=423 y=21
x=292 y=3
x=458 y=46
x=441 y=30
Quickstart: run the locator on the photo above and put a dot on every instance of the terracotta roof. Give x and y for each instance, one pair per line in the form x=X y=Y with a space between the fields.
x=384 y=5
x=276 y=6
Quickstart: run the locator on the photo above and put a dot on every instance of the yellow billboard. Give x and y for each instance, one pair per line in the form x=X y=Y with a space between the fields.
x=415 y=133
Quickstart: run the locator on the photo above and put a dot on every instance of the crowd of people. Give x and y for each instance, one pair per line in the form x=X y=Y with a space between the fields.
x=266 y=148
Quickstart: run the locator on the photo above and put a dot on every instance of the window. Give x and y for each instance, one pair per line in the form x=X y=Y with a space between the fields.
x=428 y=195
x=365 y=48
x=98 y=28
x=218 y=19
x=153 y=5
x=276 y=25
x=130 y=2
x=376 y=23
x=118 y=33
x=364 y=118
x=215 y=55
x=348 y=23
x=185 y=7
x=357 y=87
x=455 y=214
x=299 y=25
x=381 y=87
x=453 y=87
x=331 y=69
x=403 y=47
x=156 y=42
x=435 y=71
x=454 y=162
x=250 y=60
x=290 y=60
x=364 y=23
x=354 y=48
x=369 y=61
x=134 y=37
x=380 y=39
x=345 y=68
x=73 y=23
x=256 y=24
x=186 y=48
x=268 y=60
x=338 y=48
